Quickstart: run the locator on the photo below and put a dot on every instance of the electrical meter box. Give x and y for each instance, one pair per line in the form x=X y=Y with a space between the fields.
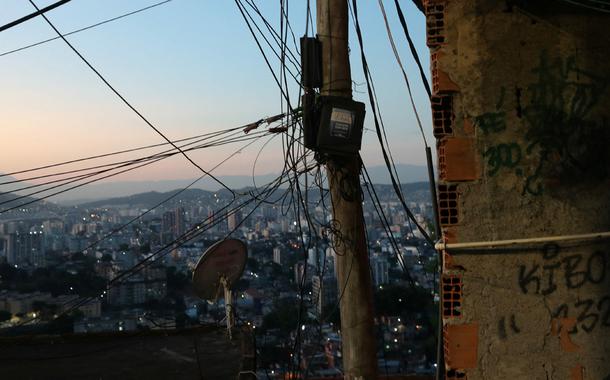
x=341 y=121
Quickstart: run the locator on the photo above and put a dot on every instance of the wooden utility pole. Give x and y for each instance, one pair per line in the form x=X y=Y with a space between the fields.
x=354 y=276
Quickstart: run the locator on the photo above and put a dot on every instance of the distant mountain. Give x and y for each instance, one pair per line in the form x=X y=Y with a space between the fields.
x=8 y=193
x=406 y=174
x=106 y=190
x=417 y=191
x=151 y=198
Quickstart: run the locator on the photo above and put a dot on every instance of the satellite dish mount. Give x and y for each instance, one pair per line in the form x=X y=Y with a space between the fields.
x=221 y=265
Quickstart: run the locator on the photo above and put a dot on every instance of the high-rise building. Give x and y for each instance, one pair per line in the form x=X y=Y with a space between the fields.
x=24 y=248
x=380 y=270
x=324 y=292
x=279 y=255
x=173 y=225
x=234 y=219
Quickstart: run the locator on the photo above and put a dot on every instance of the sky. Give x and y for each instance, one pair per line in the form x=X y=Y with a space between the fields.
x=189 y=66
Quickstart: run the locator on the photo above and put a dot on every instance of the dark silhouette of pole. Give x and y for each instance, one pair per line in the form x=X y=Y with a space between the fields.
x=354 y=278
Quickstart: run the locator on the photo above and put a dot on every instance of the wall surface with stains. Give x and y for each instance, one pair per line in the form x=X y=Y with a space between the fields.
x=521 y=112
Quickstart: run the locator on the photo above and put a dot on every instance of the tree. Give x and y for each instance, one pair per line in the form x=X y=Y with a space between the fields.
x=396 y=300
x=5 y=315
x=284 y=316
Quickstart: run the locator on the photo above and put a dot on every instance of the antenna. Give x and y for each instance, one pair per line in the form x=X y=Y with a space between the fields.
x=218 y=269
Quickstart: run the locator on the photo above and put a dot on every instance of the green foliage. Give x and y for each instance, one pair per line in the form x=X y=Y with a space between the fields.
x=432 y=266
x=284 y=316
x=176 y=280
x=398 y=300
x=52 y=280
x=252 y=264
x=145 y=248
x=5 y=315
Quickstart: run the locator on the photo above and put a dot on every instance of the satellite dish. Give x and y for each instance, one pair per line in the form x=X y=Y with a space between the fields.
x=218 y=269
x=225 y=259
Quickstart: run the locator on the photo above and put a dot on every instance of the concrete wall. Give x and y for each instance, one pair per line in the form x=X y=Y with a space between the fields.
x=522 y=118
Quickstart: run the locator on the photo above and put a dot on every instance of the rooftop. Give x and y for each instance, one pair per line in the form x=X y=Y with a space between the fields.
x=202 y=352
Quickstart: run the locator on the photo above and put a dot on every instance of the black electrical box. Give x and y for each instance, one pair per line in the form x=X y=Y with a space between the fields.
x=310 y=120
x=311 y=62
x=341 y=121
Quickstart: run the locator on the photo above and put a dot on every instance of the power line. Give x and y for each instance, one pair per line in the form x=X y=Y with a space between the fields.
x=378 y=128
x=84 y=28
x=39 y=12
x=125 y=100
x=60 y=173
x=164 y=201
x=189 y=235
x=404 y=74
x=595 y=5
x=385 y=223
x=164 y=154
x=104 y=155
x=260 y=48
x=403 y=23
x=129 y=167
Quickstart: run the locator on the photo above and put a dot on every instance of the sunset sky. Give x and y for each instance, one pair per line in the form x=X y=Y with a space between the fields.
x=191 y=67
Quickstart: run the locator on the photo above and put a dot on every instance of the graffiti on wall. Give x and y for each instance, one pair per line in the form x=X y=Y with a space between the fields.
x=561 y=141
x=568 y=272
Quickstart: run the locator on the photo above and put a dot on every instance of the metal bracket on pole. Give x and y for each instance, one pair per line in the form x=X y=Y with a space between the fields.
x=230 y=315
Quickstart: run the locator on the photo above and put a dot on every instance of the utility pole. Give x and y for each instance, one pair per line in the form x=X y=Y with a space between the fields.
x=354 y=276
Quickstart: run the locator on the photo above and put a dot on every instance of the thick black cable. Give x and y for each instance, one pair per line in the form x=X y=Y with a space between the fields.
x=85 y=28
x=422 y=74
x=402 y=69
x=378 y=128
x=39 y=12
x=385 y=223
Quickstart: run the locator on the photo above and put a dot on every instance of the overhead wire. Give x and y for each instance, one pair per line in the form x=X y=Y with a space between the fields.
x=103 y=156
x=84 y=28
x=385 y=223
x=187 y=236
x=378 y=127
x=404 y=73
x=167 y=199
x=414 y=53
x=166 y=153
x=595 y=5
x=260 y=48
x=124 y=100
x=39 y=12
x=129 y=166
x=295 y=65
x=117 y=165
